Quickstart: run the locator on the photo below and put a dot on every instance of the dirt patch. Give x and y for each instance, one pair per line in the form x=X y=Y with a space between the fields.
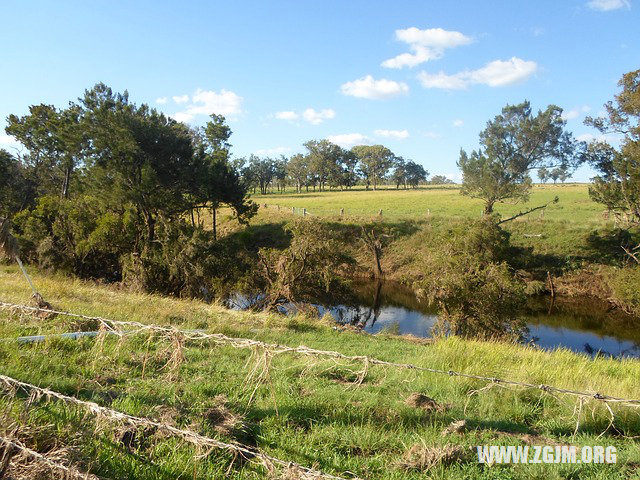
x=221 y=418
x=421 y=458
x=420 y=400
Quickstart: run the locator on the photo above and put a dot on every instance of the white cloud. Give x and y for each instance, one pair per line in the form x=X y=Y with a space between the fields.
x=317 y=117
x=458 y=123
x=538 y=31
x=273 y=151
x=179 y=99
x=575 y=112
x=498 y=73
x=347 y=140
x=608 y=5
x=397 y=134
x=610 y=138
x=286 y=115
x=161 y=100
x=368 y=87
x=8 y=140
x=454 y=177
x=426 y=45
x=207 y=102
x=431 y=134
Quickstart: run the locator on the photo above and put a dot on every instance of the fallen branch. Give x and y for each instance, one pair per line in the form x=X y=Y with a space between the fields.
x=521 y=214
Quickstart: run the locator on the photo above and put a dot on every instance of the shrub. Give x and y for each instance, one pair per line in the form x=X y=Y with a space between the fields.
x=476 y=291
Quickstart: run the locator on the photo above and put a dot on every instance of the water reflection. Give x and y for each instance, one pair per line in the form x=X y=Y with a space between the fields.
x=583 y=325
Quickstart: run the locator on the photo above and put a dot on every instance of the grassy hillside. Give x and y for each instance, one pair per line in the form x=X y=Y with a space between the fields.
x=308 y=410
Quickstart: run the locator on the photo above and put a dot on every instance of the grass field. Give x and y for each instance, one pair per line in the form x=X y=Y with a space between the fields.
x=574 y=203
x=309 y=411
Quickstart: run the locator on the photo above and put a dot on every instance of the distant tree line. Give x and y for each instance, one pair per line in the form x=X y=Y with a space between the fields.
x=326 y=165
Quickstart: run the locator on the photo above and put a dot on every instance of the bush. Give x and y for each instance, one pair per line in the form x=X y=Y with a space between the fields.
x=475 y=289
x=302 y=271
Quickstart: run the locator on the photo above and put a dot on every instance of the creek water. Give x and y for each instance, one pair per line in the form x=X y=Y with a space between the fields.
x=583 y=325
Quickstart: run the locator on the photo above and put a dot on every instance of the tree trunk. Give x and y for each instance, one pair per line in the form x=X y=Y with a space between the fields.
x=488 y=208
x=151 y=228
x=215 y=228
x=65 y=183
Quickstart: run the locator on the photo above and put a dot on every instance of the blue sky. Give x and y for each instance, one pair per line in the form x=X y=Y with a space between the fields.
x=421 y=77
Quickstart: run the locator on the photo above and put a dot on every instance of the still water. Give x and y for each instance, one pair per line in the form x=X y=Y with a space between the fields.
x=583 y=325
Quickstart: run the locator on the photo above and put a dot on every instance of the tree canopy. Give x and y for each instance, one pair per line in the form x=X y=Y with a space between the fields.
x=515 y=142
x=618 y=183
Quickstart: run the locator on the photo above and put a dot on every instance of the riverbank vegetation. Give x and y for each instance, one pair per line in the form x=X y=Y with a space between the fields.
x=319 y=413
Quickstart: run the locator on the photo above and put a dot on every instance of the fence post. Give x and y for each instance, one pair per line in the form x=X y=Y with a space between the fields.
x=342 y=212
x=304 y=212
x=293 y=210
x=380 y=213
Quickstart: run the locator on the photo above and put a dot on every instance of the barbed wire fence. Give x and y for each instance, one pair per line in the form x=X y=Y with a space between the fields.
x=15 y=451
x=276 y=349
x=12 y=386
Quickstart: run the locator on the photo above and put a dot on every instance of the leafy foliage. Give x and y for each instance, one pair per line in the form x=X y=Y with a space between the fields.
x=618 y=184
x=514 y=143
x=307 y=267
x=475 y=289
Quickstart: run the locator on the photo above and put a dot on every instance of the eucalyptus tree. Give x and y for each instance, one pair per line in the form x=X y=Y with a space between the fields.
x=415 y=173
x=375 y=162
x=55 y=143
x=514 y=143
x=325 y=160
x=298 y=170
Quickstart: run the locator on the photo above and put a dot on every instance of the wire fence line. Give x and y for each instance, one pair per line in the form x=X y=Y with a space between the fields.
x=14 y=447
x=11 y=384
x=218 y=338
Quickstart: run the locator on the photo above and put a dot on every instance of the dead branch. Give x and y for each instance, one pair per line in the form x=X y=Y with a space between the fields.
x=521 y=214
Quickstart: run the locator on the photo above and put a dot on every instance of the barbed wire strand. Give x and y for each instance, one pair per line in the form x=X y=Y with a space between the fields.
x=303 y=350
x=69 y=472
x=189 y=436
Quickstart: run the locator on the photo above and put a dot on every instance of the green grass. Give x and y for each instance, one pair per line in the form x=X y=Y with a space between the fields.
x=309 y=412
x=574 y=203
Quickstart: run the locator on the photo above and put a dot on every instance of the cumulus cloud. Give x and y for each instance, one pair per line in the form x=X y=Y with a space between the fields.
x=348 y=140
x=498 y=73
x=314 y=117
x=207 y=102
x=8 y=142
x=397 y=134
x=317 y=117
x=179 y=99
x=575 y=112
x=458 y=123
x=161 y=100
x=286 y=115
x=273 y=151
x=368 y=87
x=608 y=5
x=426 y=45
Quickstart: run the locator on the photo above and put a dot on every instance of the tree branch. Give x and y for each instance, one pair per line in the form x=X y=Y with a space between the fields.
x=520 y=214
